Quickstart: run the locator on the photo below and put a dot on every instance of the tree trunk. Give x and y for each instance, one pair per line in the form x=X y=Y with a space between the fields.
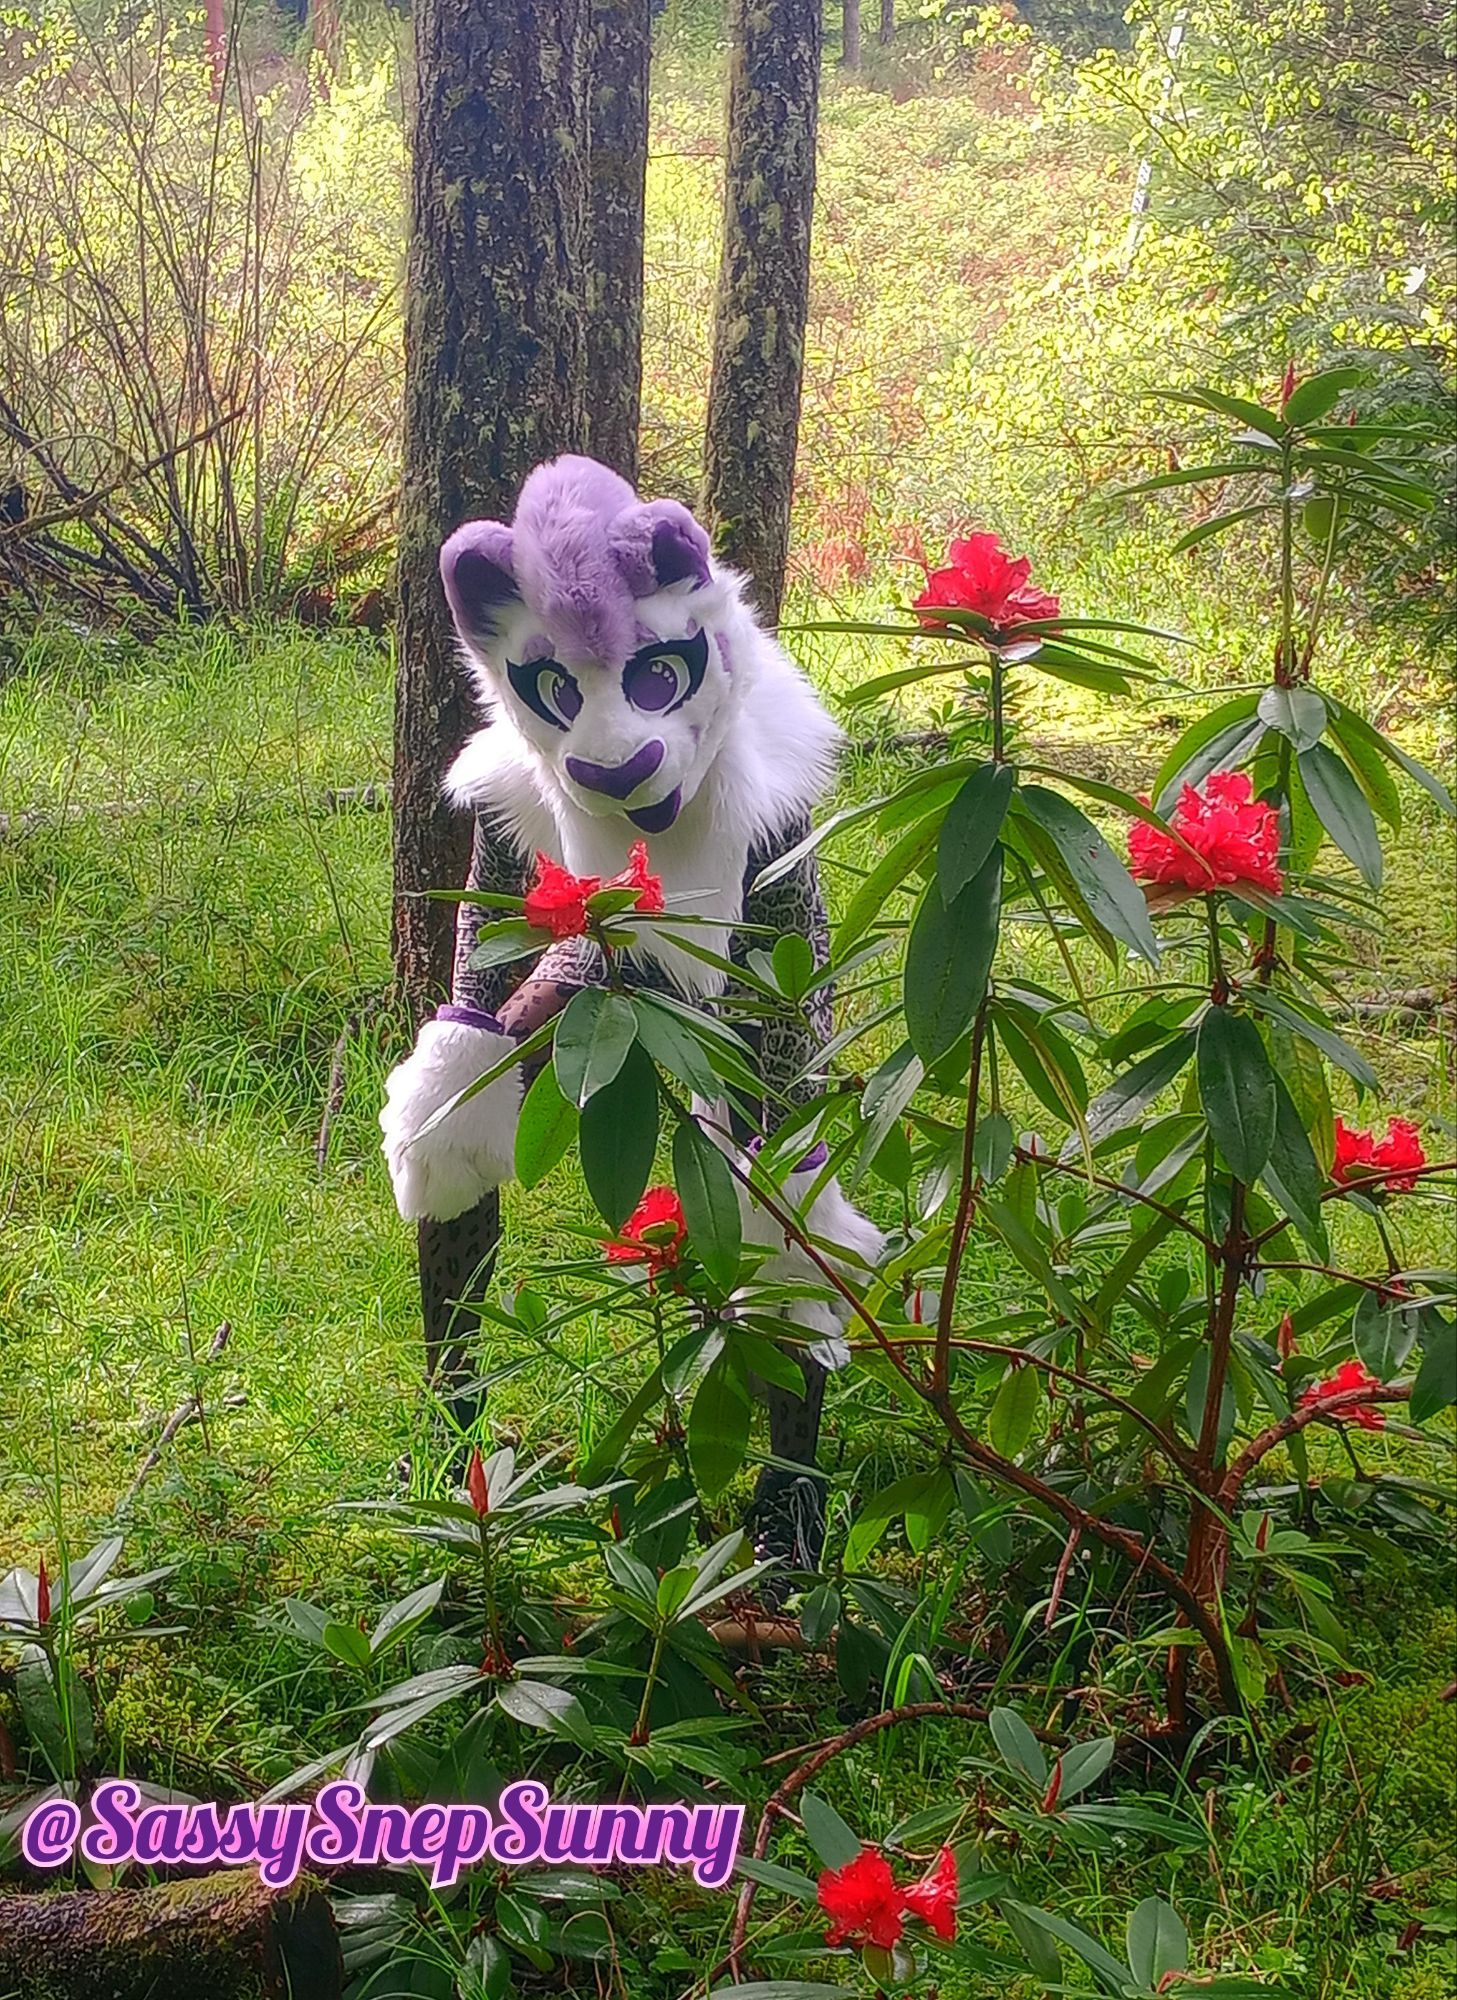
x=850 y=34
x=217 y=45
x=887 y=23
x=224 y=1935
x=617 y=162
x=763 y=291
x=494 y=373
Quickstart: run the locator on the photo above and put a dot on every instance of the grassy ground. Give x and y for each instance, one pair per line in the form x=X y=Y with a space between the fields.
x=193 y=912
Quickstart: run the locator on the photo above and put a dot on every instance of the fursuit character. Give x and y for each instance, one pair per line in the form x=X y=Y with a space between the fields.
x=629 y=693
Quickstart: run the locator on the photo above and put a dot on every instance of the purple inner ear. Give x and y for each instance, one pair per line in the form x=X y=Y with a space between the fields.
x=475 y=569
x=678 y=552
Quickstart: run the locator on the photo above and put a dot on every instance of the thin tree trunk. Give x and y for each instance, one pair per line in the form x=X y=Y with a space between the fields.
x=763 y=294
x=217 y=44
x=226 y=1935
x=887 y=23
x=617 y=160
x=494 y=377
x=850 y=34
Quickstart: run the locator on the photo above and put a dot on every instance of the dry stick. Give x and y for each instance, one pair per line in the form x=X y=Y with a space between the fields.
x=88 y=502
x=834 y=1746
x=334 y=1097
x=1121 y=1540
x=188 y=1411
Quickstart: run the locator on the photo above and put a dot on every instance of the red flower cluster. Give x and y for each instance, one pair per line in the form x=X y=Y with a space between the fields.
x=982 y=577
x=1235 y=839
x=1350 y=1375
x=865 y=1906
x=557 y=899
x=653 y=1234
x=1361 y=1154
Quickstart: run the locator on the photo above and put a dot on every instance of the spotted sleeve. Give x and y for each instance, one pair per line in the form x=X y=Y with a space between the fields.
x=494 y=864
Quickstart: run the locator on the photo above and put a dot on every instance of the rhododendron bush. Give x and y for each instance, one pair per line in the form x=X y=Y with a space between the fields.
x=1089 y=1033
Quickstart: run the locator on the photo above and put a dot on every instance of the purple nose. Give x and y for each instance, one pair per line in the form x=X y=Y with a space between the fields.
x=618 y=781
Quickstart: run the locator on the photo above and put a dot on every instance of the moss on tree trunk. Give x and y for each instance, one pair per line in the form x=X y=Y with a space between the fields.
x=617 y=161
x=763 y=296
x=224 y=1935
x=494 y=376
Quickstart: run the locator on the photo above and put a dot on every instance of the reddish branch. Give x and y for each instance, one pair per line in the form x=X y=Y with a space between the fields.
x=1331 y=1408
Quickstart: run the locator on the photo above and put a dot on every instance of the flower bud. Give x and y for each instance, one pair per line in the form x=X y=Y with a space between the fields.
x=475 y=1485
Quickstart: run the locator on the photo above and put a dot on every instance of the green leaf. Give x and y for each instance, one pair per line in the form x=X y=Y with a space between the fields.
x=794 y=964
x=1292 y=1174
x=593 y=1036
x=547 y=1127
x=1014 y=1411
x=718 y=1425
x=619 y=1135
x=819 y=1614
x=1316 y=1033
x=1019 y=1747
x=867 y=905
x=1341 y=807
x=1385 y=1332
x=1297 y=713
x=1128 y=1096
x=1216 y=525
x=1111 y=892
x=1237 y=1090
x=1369 y=768
x=1435 y=1388
x=710 y=1203
x=1094 y=1956
x=673 y=1046
x=539 y=1705
x=1046 y=1061
x=969 y=831
x=608 y=1449
x=1157 y=1941
x=1228 y=723
x=346 y=1643
x=791 y=1882
x=949 y=959
x=1311 y=400
x=1082 y=1766
x=1429 y=781
x=832 y=1840
x=41 y=1711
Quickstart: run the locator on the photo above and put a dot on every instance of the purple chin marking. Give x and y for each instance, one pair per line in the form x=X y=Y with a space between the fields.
x=658 y=818
x=617 y=781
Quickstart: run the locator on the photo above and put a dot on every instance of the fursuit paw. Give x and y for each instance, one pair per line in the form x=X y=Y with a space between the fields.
x=442 y=1172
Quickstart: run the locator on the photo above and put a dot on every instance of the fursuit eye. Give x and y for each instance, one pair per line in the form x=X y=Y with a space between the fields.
x=548 y=691
x=662 y=677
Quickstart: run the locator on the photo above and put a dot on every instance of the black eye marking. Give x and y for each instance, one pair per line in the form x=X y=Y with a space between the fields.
x=662 y=677
x=547 y=690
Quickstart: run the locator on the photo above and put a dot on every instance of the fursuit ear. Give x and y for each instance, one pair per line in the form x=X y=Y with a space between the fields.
x=658 y=543
x=480 y=585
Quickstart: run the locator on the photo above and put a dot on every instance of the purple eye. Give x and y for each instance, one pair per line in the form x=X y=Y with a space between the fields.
x=661 y=677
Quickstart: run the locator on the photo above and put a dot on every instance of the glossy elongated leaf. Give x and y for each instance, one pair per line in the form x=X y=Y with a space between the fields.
x=1046 y=1061
x=619 y=1135
x=539 y=1705
x=674 y=1047
x=1158 y=1944
x=1330 y=1044
x=1237 y=1090
x=1240 y=712
x=1082 y=1766
x=593 y=1036
x=346 y=1643
x=718 y=1425
x=1019 y=1747
x=1297 y=713
x=1384 y=747
x=949 y=959
x=1217 y=524
x=1313 y=399
x=545 y=1130
x=969 y=831
x=832 y=1840
x=1385 y=1332
x=1369 y=768
x=1014 y=1411
x=710 y=1203
x=1341 y=807
x=1111 y=892
x=867 y=905
x=1126 y=1099
x=1292 y=1174
x=1435 y=1387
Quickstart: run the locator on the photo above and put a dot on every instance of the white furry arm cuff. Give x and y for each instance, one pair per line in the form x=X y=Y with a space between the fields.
x=443 y=1172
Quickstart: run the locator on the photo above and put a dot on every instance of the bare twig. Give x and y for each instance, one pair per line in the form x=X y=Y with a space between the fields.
x=188 y=1411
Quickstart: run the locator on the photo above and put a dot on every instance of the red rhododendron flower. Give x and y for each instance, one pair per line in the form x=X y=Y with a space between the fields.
x=636 y=876
x=862 y=1902
x=1361 y=1154
x=933 y=1899
x=982 y=577
x=1235 y=839
x=1350 y=1375
x=475 y=1485
x=557 y=899
x=653 y=1234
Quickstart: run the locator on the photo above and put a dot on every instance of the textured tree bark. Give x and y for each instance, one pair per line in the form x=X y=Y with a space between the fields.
x=850 y=34
x=763 y=295
x=224 y=1935
x=887 y=23
x=617 y=163
x=494 y=376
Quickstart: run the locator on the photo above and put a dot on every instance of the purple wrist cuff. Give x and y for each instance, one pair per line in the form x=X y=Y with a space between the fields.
x=469 y=1017
x=813 y=1160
